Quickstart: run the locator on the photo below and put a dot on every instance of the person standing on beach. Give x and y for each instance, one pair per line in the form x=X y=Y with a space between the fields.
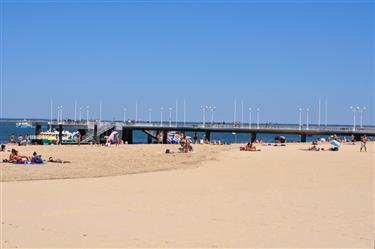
x=20 y=138
x=11 y=139
x=353 y=139
x=27 y=138
x=195 y=138
x=363 y=143
x=79 y=138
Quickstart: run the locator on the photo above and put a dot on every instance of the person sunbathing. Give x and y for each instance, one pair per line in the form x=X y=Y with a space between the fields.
x=314 y=148
x=14 y=157
x=249 y=147
x=56 y=160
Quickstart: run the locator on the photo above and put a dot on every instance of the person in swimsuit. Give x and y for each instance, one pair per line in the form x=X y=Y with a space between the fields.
x=11 y=139
x=14 y=157
x=56 y=160
x=364 y=143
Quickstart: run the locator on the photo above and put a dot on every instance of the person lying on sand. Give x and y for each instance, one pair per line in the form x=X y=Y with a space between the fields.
x=14 y=157
x=56 y=160
x=314 y=146
x=249 y=147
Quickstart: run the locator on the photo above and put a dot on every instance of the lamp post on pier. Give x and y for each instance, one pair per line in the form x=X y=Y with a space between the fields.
x=204 y=109
x=307 y=118
x=59 y=114
x=258 y=110
x=300 y=118
x=212 y=109
x=361 y=110
x=161 y=116
x=354 y=110
x=170 y=116
x=149 y=115
x=124 y=115
x=87 y=114
x=249 y=117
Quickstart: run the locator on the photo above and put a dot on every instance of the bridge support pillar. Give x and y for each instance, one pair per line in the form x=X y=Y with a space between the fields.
x=149 y=139
x=165 y=136
x=127 y=135
x=83 y=132
x=357 y=137
x=38 y=129
x=303 y=138
x=253 y=137
x=95 y=134
x=60 y=134
x=208 y=135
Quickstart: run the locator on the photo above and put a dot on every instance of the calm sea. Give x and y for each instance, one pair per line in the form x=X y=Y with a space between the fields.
x=6 y=129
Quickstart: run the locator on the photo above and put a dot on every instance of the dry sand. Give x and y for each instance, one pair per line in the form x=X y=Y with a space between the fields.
x=279 y=197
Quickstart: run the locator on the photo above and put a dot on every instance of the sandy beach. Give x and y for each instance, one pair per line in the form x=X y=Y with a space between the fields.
x=218 y=196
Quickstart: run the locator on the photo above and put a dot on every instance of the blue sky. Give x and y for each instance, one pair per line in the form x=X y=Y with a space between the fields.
x=277 y=56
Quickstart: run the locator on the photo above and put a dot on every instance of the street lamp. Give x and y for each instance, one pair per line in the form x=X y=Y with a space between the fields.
x=124 y=115
x=361 y=110
x=204 y=108
x=249 y=118
x=258 y=110
x=59 y=114
x=354 y=110
x=149 y=115
x=80 y=114
x=87 y=114
x=161 y=116
x=300 y=118
x=212 y=109
x=170 y=116
x=307 y=118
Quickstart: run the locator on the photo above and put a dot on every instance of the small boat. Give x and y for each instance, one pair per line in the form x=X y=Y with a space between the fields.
x=24 y=124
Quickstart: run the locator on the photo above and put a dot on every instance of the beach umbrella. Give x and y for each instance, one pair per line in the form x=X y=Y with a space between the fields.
x=335 y=143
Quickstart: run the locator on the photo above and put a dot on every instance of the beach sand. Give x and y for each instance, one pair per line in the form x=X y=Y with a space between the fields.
x=215 y=197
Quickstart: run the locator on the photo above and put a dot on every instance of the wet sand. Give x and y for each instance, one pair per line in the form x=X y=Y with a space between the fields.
x=216 y=197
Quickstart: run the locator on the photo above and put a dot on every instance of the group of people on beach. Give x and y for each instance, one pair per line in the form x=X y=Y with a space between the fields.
x=20 y=141
x=16 y=158
x=336 y=143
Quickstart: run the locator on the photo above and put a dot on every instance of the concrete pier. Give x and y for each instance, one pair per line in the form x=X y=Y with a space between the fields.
x=95 y=134
x=38 y=129
x=253 y=137
x=208 y=135
x=165 y=136
x=60 y=133
x=128 y=129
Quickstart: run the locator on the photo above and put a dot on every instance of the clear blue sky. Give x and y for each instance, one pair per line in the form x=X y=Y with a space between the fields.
x=277 y=56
